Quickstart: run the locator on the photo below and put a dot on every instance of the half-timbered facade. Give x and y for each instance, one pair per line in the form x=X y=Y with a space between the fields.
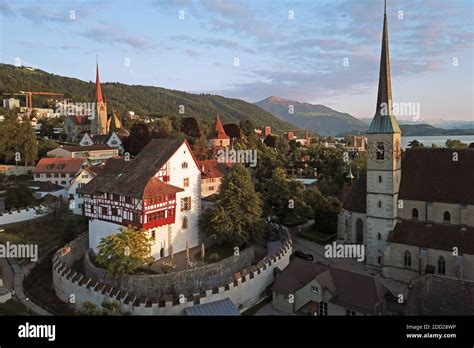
x=159 y=191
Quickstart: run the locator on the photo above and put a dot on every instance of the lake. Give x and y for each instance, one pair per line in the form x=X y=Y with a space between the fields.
x=438 y=140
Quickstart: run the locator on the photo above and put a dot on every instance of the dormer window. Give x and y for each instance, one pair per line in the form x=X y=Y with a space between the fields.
x=50 y=166
x=61 y=166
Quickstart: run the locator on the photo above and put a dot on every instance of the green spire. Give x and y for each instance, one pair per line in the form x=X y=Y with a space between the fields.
x=384 y=121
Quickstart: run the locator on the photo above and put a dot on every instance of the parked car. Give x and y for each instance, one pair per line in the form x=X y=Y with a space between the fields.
x=302 y=255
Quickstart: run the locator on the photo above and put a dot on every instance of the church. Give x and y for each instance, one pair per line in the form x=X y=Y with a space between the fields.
x=413 y=212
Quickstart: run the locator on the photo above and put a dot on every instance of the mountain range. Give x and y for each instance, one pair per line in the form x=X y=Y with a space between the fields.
x=320 y=118
x=144 y=100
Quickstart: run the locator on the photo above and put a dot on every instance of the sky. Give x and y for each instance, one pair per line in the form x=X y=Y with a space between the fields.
x=317 y=51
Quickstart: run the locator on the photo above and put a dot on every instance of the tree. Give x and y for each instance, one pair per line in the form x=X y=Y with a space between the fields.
x=233 y=130
x=415 y=143
x=18 y=141
x=270 y=141
x=124 y=252
x=326 y=211
x=19 y=197
x=190 y=126
x=455 y=144
x=236 y=216
x=139 y=137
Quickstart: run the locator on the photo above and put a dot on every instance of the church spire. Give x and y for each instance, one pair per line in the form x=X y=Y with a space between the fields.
x=384 y=121
x=98 y=90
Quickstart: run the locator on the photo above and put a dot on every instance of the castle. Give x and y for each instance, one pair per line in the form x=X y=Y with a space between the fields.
x=415 y=214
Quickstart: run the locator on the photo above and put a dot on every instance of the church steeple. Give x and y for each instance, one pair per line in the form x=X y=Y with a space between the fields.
x=384 y=121
x=98 y=89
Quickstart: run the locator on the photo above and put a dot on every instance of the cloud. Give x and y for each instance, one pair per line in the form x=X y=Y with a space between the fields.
x=114 y=34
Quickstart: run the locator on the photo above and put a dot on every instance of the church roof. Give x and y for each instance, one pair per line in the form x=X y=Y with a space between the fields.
x=433 y=236
x=356 y=200
x=219 y=132
x=384 y=121
x=98 y=89
x=432 y=175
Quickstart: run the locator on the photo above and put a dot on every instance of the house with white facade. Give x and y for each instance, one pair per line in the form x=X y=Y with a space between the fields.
x=112 y=140
x=159 y=190
x=59 y=171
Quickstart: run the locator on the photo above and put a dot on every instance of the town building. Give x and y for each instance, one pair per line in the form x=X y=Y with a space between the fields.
x=310 y=288
x=95 y=153
x=76 y=126
x=11 y=103
x=59 y=171
x=413 y=215
x=112 y=140
x=42 y=189
x=211 y=177
x=108 y=168
x=218 y=137
x=159 y=190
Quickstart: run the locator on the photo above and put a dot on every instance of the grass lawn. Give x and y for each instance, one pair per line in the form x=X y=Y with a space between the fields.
x=310 y=233
x=215 y=253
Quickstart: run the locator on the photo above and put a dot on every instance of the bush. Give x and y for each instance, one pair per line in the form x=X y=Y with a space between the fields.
x=214 y=257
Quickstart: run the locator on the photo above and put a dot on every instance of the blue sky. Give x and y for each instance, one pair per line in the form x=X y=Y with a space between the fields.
x=146 y=42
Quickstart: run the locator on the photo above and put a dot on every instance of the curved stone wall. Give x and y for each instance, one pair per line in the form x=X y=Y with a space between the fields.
x=243 y=289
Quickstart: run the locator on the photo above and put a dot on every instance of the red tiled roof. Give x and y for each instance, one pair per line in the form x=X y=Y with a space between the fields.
x=432 y=175
x=156 y=187
x=80 y=120
x=433 y=236
x=59 y=165
x=213 y=169
x=219 y=132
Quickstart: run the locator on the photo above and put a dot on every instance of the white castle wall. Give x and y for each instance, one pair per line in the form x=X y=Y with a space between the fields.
x=21 y=215
x=243 y=292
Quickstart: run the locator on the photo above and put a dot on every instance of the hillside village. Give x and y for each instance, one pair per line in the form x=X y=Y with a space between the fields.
x=229 y=214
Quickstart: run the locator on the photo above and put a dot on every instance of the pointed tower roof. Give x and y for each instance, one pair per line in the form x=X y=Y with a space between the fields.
x=384 y=121
x=98 y=90
x=219 y=132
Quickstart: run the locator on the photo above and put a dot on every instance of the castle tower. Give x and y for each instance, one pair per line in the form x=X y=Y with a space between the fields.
x=99 y=122
x=383 y=163
x=219 y=138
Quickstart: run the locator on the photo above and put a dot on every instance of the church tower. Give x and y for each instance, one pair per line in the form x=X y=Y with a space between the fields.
x=99 y=122
x=383 y=163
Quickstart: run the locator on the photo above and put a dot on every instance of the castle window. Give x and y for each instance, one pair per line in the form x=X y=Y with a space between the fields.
x=407 y=259
x=379 y=204
x=153 y=235
x=184 y=223
x=186 y=182
x=349 y=312
x=379 y=259
x=446 y=217
x=380 y=178
x=414 y=214
x=184 y=165
x=185 y=203
x=379 y=236
x=441 y=265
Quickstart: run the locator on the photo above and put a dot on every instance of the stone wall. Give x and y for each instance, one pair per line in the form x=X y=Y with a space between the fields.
x=12 y=216
x=244 y=289
x=182 y=282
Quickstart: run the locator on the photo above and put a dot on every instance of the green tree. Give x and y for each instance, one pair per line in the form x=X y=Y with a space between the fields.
x=415 y=143
x=236 y=216
x=124 y=252
x=139 y=137
x=19 y=197
x=455 y=144
x=326 y=211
